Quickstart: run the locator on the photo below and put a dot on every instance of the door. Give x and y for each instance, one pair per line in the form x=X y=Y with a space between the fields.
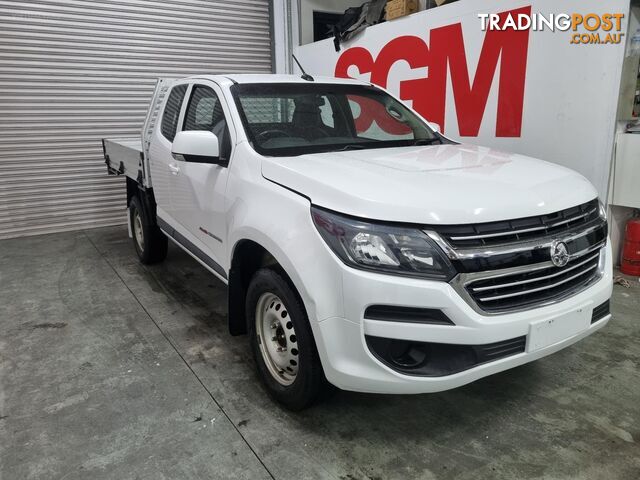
x=160 y=156
x=198 y=189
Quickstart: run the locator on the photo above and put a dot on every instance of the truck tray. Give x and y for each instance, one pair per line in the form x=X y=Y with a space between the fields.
x=123 y=156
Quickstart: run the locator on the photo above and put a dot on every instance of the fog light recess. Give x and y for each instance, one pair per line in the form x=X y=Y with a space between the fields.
x=439 y=359
x=408 y=355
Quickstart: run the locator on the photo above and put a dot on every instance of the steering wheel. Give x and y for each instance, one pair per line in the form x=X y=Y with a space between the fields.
x=273 y=133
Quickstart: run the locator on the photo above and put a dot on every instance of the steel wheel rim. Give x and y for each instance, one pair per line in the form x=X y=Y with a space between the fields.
x=137 y=230
x=277 y=338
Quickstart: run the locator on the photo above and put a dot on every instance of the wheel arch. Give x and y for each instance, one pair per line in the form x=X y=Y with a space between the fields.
x=146 y=197
x=247 y=257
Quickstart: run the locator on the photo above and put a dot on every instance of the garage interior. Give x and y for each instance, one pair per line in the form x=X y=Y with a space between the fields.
x=110 y=367
x=113 y=369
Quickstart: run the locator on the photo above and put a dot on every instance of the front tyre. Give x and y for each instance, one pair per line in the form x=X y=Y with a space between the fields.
x=150 y=243
x=282 y=342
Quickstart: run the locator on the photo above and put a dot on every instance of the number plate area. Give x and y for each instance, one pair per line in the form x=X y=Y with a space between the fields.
x=545 y=333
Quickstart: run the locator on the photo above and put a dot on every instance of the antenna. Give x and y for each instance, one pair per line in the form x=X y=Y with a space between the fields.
x=305 y=75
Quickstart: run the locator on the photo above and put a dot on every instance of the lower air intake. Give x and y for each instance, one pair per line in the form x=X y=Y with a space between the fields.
x=439 y=359
x=601 y=311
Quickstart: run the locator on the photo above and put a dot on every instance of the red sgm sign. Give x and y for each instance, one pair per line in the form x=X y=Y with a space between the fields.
x=445 y=55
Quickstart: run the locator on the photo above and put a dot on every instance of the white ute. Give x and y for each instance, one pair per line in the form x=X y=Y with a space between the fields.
x=361 y=247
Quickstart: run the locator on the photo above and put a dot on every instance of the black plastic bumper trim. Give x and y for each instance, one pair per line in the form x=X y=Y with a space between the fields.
x=601 y=311
x=392 y=313
x=439 y=359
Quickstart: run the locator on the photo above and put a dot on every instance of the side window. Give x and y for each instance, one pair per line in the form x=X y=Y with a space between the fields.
x=172 y=112
x=205 y=112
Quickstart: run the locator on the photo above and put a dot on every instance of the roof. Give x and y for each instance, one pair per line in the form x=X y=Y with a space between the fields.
x=244 y=78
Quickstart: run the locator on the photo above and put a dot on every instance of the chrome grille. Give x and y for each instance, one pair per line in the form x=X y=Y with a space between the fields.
x=506 y=266
x=533 y=285
x=520 y=230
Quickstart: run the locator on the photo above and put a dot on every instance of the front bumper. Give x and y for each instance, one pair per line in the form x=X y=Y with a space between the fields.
x=350 y=364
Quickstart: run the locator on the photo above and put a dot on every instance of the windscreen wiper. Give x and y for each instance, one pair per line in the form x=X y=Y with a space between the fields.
x=426 y=141
x=351 y=146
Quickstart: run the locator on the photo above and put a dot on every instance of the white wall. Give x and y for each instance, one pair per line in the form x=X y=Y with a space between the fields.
x=307 y=7
x=620 y=215
x=285 y=34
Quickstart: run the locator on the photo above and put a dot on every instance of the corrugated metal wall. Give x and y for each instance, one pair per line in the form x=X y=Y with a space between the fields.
x=74 y=71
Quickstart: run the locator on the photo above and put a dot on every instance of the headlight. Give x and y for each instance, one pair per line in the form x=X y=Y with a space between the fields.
x=602 y=210
x=382 y=248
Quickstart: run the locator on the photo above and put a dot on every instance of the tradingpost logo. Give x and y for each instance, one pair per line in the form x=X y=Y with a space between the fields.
x=588 y=29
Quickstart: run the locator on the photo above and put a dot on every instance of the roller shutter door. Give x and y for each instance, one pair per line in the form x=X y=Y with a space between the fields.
x=74 y=71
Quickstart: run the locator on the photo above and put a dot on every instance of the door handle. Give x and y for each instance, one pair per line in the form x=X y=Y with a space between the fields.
x=174 y=169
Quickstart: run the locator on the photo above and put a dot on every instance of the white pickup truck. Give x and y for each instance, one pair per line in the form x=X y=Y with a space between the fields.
x=360 y=246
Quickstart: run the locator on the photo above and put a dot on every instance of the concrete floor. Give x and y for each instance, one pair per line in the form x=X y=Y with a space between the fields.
x=109 y=369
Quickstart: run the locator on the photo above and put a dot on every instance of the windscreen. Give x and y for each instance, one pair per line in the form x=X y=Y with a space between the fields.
x=293 y=119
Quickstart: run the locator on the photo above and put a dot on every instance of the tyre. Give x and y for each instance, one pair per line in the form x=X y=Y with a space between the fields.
x=282 y=342
x=150 y=243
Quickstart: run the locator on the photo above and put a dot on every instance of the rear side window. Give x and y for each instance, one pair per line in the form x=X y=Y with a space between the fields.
x=172 y=112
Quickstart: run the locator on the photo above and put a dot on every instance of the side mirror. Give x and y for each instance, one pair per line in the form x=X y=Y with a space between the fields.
x=197 y=146
x=435 y=126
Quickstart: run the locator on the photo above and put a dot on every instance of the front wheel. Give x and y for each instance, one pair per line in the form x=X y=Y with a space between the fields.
x=282 y=342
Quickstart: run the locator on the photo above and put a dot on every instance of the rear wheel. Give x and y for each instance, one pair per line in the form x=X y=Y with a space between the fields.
x=149 y=241
x=282 y=342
